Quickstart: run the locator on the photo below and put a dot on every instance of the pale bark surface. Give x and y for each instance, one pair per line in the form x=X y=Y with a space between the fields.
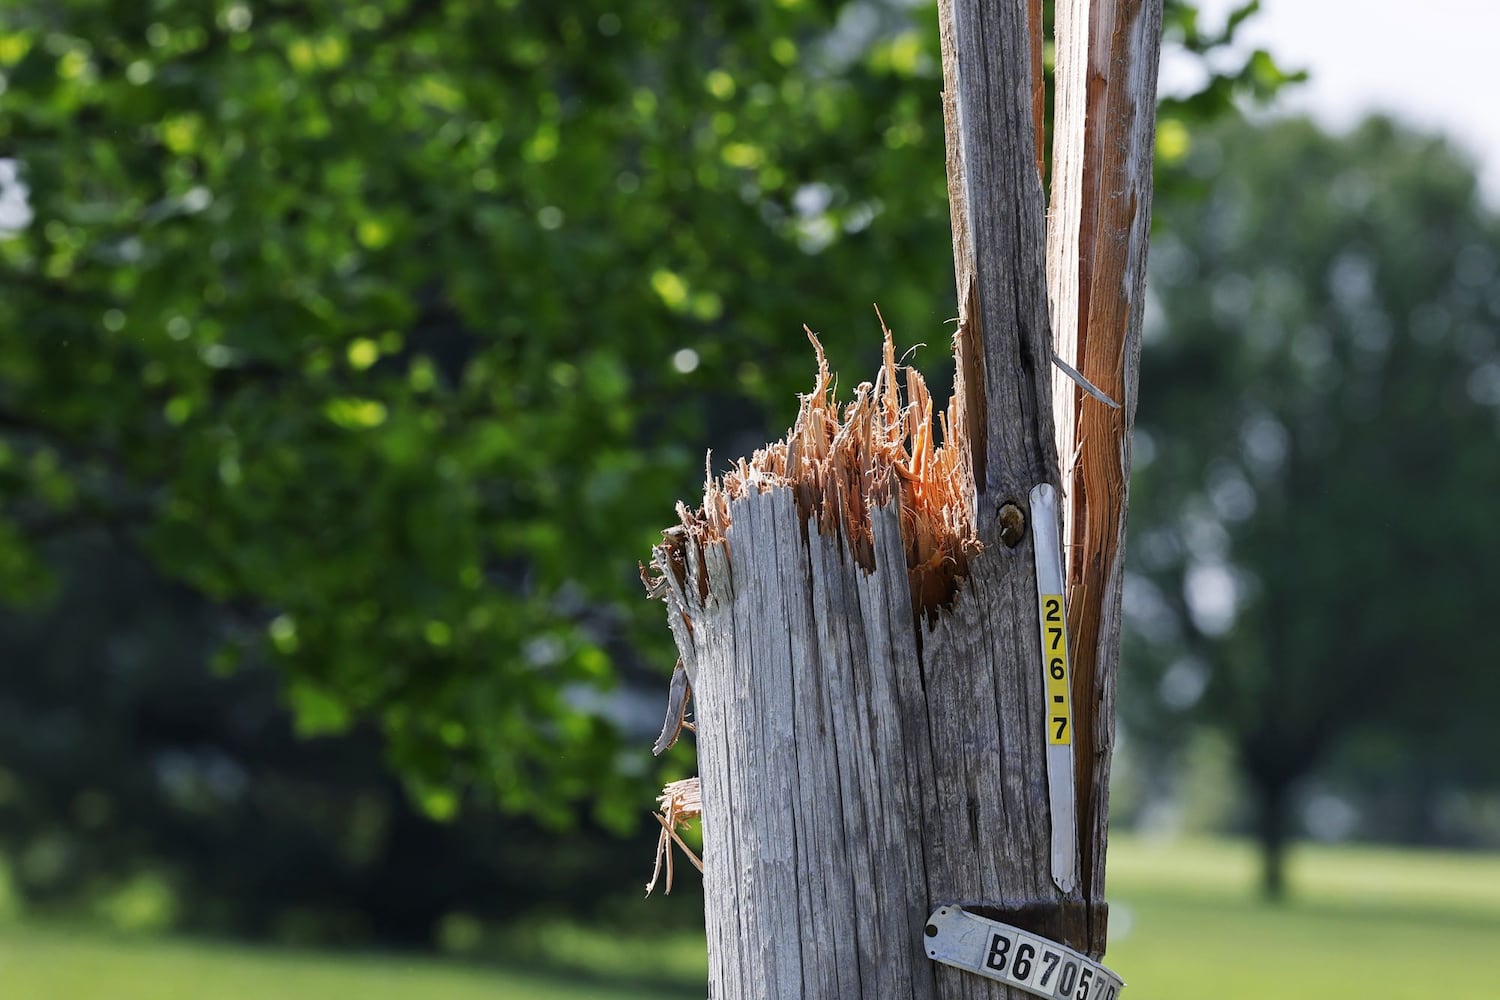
x=852 y=780
x=860 y=767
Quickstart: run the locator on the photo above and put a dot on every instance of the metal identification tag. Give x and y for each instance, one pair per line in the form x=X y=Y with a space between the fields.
x=1012 y=956
x=1057 y=682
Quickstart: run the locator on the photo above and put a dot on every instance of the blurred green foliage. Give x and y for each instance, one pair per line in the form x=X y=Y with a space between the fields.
x=1313 y=537
x=394 y=327
x=140 y=791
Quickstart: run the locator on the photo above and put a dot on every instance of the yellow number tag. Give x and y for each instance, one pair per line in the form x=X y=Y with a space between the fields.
x=1055 y=662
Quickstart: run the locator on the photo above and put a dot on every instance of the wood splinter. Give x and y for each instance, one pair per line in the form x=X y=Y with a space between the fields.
x=677 y=704
x=680 y=801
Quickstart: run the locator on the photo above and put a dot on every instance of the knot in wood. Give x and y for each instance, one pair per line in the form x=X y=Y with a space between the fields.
x=1012 y=524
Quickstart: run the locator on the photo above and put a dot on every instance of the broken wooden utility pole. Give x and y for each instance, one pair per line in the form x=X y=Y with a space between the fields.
x=903 y=790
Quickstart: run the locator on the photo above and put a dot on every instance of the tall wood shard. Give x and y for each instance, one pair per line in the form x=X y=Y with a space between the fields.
x=1101 y=220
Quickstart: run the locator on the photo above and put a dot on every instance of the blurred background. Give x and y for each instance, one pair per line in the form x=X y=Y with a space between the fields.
x=353 y=352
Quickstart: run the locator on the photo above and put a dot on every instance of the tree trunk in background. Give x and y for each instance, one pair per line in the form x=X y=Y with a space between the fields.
x=1273 y=800
x=862 y=763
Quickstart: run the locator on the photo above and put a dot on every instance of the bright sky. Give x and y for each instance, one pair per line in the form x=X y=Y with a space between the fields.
x=1430 y=63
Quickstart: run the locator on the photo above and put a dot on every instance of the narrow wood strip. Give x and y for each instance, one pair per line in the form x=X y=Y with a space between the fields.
x=999 y=234
x=1038 y=85
x=1125 y=50
x=1070 y=81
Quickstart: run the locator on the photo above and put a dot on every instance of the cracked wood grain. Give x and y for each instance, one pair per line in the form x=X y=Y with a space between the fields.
x=999 y=246
x=853 y=776
x=1108 y=52
x=859 y=764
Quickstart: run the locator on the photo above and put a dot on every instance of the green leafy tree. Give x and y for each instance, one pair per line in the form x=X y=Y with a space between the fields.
x=394 y=327
x=136 y=785
x=1313 y=536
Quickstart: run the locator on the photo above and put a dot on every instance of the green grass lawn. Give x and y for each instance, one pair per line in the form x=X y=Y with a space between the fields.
x=1361 y=923
x=1185 y=925
x=53 y=964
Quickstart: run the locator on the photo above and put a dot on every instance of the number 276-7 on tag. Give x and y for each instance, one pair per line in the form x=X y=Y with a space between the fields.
x=1055 y=656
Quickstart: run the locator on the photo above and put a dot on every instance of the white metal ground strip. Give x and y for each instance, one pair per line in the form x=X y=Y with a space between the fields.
x=1012 y=956
x=1057 y=680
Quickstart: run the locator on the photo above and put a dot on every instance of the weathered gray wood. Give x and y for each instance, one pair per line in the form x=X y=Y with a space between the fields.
x=999 y=248
x=986 y=654
x=852 y=781
x=857 y=767
x=808 y=700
